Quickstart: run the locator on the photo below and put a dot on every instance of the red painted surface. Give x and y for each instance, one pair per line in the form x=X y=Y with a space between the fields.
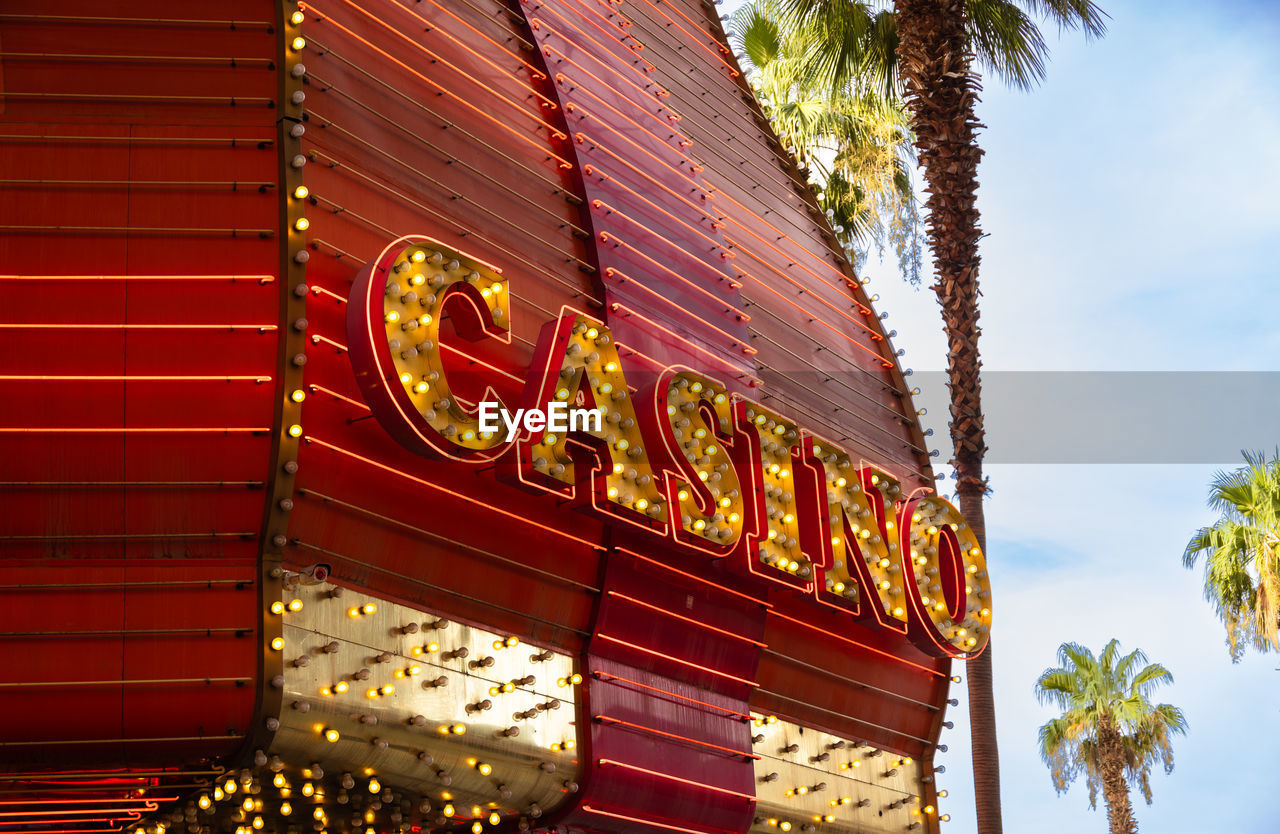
x=128 y=555
x=604 y=156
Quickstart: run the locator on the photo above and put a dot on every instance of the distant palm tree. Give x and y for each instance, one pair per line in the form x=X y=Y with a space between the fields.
x=853 y=140
x=1109 y=730
x=926 y=49
x=1242 y=553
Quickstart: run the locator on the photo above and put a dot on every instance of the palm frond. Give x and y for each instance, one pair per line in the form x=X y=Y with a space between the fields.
x=1099 y=695
x=1007 y=42
x=1072 y=14
x=1241 y=553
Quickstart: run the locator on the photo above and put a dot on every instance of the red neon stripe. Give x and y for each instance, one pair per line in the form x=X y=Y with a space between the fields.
x=320 y=389
x=718 y=53
x=613 y=35
x=443 y=90
x=691 y=175
x=476 y=361
x=851 y=642
x=131 y=812
x=679 y=660
x=127 y=378
x=632 y=352
x=152 y=799
x=263 y=328
x=704 y=786
x=802 y=247
x=322 y=291
x=688 y=620
x=126 y=815
x=720 y=276
x=815 y=318
x=124 y=430
x=801 y=287
x=670 y=120
x=694 y=577
x=624 y=278
x=316 y=339
x=608 y=677
x=261 y=279
x=611 y=814
x=715 y=219
x=657 y=91
x=458 y=495
x=620 y=723
x=537 y=72
x=591 y=170
x=434 y=58
x=651 y=323
x=131 y=818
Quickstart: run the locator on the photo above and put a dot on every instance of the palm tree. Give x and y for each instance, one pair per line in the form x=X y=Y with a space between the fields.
x=1109 y=730
x=1242 y=553
x=853 y=140
x=927 y=47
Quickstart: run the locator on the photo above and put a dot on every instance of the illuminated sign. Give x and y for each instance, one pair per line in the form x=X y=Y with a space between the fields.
x=556 y=417
x=682 y=458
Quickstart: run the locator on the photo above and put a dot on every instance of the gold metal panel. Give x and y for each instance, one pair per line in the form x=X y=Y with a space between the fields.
x=811 y=781
x=431 y=706
x=393 y=717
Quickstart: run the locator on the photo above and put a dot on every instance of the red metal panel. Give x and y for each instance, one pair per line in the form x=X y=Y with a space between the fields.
x=664 y=259
x=137 y=352
x=446 y=137
x=606 y=157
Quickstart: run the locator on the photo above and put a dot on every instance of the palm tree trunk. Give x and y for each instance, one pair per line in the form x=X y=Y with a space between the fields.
x=934 y=60
x=1114 y=789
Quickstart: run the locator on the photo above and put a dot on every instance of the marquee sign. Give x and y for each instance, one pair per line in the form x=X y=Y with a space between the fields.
x=603 y=560
x=681 y=457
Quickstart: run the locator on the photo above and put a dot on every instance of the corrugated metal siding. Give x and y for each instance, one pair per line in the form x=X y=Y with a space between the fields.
x=137 y=347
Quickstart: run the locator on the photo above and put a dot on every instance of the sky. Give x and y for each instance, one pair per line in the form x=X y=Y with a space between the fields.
x=1132 y=225
x=1132 y=221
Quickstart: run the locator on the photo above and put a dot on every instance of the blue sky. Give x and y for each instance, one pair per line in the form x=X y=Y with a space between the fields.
x=1132 y=220
x=1130 y=204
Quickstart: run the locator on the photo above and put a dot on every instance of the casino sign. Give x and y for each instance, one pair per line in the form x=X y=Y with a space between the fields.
x=730 y=477
x=266 y=562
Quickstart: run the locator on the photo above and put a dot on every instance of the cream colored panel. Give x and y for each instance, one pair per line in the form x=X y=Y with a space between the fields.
x=811 y=781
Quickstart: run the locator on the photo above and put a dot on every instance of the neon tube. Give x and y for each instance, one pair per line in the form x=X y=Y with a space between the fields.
x=801 y=246
x=628 y=312
x=445 y=91
x=618 y=722
x=668 y=776
x=439 y=59
x=679 y=660
x=656 y=91
x=685 y=619
x=129 y=430
x=694 y=577
x=261 y=328
x=315 y=290
x=260 y=279
x=453 y=493
x=605 y=237
x=128 y=378
x=590 y=810
x=851 y=642
x=316 y=339
x=609 y=677
x=624 y=278
x=320 y=389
